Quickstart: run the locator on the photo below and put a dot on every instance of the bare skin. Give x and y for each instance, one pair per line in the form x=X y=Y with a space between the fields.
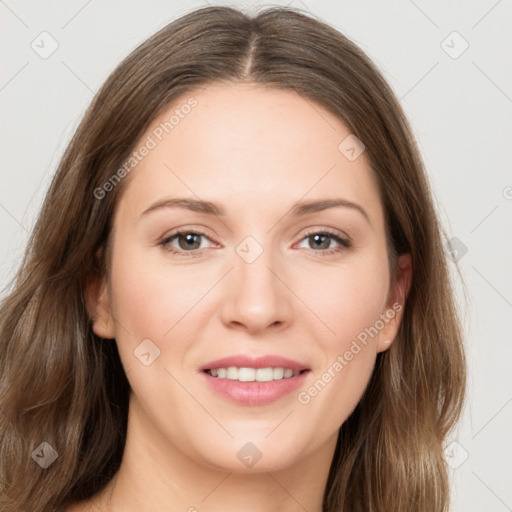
x=256 y=152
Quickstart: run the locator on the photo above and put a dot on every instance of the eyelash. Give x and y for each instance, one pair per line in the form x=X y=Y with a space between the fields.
x=344 y=244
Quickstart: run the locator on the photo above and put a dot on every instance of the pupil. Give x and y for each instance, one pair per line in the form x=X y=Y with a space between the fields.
x=189 y=240
x=317 y=238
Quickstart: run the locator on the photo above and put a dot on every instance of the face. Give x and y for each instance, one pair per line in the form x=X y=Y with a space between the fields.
x=264 y=280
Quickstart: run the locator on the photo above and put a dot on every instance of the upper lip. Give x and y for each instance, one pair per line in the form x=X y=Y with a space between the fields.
x=245 y=361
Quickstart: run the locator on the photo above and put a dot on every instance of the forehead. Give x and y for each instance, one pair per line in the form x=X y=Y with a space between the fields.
x=245 y=144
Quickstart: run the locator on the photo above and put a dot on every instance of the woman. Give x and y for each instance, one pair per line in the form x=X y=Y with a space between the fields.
x=305 y=354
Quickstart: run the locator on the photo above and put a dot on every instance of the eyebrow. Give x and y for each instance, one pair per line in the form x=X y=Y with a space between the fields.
x=298 y=209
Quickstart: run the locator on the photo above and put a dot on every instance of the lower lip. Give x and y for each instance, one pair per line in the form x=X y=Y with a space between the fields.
x=255 y=393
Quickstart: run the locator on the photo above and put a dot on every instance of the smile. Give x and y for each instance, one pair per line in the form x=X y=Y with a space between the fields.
x=247 y=374
x=254 y=380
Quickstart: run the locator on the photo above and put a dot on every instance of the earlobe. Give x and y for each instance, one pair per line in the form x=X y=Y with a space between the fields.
x=98 y=307
x=393 y=314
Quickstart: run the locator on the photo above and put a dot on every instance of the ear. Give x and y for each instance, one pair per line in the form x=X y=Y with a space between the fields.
x=392 y=315
x=98 y=306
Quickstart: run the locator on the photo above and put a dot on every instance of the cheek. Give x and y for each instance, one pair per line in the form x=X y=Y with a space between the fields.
x=151 y=297
x=349 y=298
x=350 y=304
x=155 y=302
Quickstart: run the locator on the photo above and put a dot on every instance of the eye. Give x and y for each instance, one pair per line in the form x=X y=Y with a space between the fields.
x=185 y=242
x=188 y=242
x=321 y=240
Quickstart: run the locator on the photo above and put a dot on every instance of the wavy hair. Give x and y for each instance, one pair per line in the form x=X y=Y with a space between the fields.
x=62 y=384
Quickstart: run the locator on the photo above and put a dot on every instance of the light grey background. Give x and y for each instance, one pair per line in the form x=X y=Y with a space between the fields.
x=460 y=107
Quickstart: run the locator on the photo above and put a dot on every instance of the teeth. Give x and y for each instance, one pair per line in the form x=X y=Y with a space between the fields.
x=288 y=373
x=245 y=374
x=232 y=373
x=278 y=373
x=264 y=374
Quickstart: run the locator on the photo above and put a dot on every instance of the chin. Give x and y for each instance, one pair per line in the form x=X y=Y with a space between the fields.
x=252 y=454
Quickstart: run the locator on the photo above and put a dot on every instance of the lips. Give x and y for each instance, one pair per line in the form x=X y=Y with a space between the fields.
x=248 y=380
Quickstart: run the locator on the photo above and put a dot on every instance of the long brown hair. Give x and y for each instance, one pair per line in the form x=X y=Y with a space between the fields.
x=62 y=385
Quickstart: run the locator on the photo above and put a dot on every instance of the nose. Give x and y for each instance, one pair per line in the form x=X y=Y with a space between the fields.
x=256 y=297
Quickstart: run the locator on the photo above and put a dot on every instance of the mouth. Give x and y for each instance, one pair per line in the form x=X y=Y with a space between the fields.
x=249 y=380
